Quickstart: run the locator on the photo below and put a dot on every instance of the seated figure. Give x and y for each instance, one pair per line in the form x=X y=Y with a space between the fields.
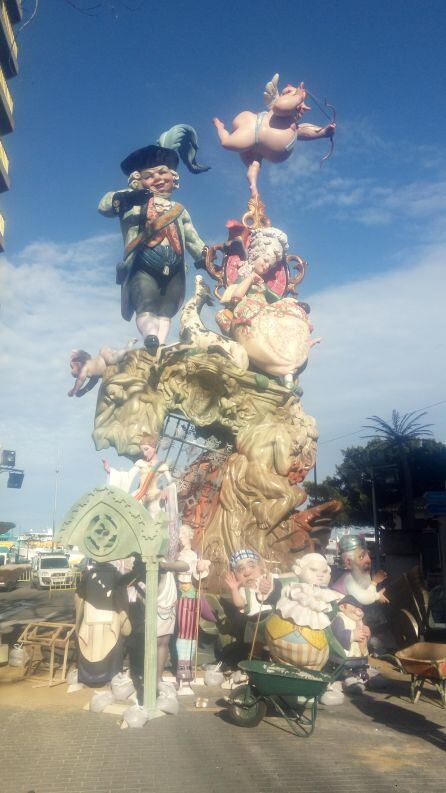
x=274 y=330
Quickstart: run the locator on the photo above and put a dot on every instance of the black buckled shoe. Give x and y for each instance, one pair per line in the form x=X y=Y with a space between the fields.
x=151 y=343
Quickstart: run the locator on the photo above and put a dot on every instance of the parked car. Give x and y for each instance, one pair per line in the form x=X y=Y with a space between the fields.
x=51 y=569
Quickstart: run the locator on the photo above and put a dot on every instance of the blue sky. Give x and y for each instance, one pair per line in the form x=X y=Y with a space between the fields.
x=371 y=222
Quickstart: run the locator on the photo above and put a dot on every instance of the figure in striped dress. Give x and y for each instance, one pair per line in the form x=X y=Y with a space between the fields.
x=188 y=609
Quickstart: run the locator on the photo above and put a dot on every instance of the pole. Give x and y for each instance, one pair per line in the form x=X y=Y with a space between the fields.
x=198 y=605
x=56 y=481
x=315 y=484
x=150 y=643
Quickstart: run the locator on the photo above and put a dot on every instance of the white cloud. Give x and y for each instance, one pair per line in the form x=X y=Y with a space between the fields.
x=383 y=348
x=361 y=197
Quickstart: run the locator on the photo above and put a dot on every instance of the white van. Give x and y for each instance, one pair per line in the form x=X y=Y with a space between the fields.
x=51 y=569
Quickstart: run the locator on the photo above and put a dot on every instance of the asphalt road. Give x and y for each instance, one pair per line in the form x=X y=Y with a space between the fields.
x=26 y=604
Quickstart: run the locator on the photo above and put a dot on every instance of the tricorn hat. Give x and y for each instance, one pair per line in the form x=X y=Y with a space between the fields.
x=351 y=541
x=178 y=141
x=149 y=157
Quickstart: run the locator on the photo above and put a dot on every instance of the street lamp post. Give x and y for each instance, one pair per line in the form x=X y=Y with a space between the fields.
x=56 y=482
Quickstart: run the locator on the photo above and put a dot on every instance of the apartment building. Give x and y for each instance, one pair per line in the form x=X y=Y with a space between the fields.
x=10 y=15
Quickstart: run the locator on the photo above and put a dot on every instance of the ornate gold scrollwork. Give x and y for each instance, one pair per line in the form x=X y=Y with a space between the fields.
x=215 y=269
x=300 y=266
x=255 y=217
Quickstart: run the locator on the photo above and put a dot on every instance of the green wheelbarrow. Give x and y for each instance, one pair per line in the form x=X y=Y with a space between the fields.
x=276 y=684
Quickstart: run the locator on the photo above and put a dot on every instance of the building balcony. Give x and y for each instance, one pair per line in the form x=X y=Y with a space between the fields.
x=14 y=10
x=4 y=169
x=8 y=44
x=6 y=106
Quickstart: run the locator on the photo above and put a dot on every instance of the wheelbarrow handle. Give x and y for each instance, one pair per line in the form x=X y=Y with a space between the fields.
x=394 y=660
x=337 y=672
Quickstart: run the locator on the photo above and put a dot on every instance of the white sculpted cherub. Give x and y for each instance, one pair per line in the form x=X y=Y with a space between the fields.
x=271 y=135
x=83 y=366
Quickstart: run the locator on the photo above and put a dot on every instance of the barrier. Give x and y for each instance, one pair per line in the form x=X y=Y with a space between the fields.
x=59 y=586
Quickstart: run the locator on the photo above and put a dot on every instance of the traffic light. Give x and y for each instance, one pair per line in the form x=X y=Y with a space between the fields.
x=15 y=479
x=8 y=458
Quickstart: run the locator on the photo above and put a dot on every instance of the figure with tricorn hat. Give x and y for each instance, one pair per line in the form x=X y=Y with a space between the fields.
x=157 y=232
x=352 y=635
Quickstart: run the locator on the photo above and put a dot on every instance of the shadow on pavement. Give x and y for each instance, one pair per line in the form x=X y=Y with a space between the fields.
x=401 y=719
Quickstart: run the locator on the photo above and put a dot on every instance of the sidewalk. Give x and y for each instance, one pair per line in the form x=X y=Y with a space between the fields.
x=378 y=742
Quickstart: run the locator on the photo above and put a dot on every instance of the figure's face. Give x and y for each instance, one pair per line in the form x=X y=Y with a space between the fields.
x=361 y=560
x=264 y=263
x=75 y=367
x=158 y=180
x=248 y=572
x=148 y=451
x=185 y=535
x=290 y=100
x=354 y=612
x=316 y=572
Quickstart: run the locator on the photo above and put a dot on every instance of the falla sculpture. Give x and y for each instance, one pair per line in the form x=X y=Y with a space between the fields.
x=241 y=384
x=272 y=134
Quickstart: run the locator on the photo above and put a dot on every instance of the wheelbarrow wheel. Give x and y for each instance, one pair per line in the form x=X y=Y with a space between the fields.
x=245 y=709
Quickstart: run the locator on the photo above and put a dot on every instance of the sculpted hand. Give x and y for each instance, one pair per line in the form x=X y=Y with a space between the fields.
x=379 y=577
x=124 y=200
x=230 y=580
x=106 y=465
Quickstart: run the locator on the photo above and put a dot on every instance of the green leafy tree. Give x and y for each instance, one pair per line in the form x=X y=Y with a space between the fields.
x=352 y=484
x=400 y=435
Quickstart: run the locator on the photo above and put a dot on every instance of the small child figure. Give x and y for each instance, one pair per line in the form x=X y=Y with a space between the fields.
x=351 y=633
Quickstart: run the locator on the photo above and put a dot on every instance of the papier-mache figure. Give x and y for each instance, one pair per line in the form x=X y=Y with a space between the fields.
x=253 y=591
x=92 y=367
x=357 y=580
x=166 y=616
x=274 y=330
x=297 y=633
x=102 y=622
x=143 y=479
x=352 y=634
x=157 y=232
x=271 y=134
x=349 y=629
x=188 y=608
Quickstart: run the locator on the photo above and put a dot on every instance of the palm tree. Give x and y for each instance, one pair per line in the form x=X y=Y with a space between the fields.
x=400 y=434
